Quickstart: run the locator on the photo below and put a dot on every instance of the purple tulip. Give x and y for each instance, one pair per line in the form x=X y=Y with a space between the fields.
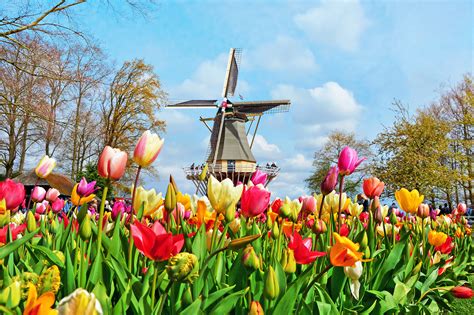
x=84 y=189
x=259 y=177
x=330 y=181
x=348 y=161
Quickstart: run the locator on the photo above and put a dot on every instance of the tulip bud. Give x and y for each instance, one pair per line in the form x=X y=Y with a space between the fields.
x=330 y=181
x=364 y=241
x=184 y=267
x=230 y=213
x=170 y=198
x=11 y=295
x=38 y=194
x=85 y=230
x=272 y=288
x=378 y=215
x=288 y=261
x=45 y=166
x=319 y=227
x=423 y=210
x=30 y=221
x=256 y=308
x=462 y=292
x=354 y=272
x=417 y=268
x=188 y=296
x=250 y=258
x=275 y=231
x=242 y=241
x=375 y=204
x=393 y=218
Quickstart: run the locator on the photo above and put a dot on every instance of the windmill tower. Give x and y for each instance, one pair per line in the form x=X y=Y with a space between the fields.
x=230 y=153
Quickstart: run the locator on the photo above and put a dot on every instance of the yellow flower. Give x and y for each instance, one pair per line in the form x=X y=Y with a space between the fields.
x=147 y=149
x=436 y=238
x=41 y=305
x=80 y=302
x=355 y=209
x=78 y=200
x=50 y=280
x=409 y=201
x=223 y=194
x=45 y=166
x=151 y=200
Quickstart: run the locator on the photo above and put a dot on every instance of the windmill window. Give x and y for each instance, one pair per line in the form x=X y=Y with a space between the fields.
x=231 y=165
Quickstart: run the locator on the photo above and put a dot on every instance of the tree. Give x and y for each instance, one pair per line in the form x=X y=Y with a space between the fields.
x=328 y=155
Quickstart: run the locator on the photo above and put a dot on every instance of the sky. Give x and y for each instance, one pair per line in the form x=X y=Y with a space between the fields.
x=341 y=63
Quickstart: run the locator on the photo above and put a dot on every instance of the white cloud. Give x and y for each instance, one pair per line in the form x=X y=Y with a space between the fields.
x=282 y=54
x=337 y=23
x=263 y=150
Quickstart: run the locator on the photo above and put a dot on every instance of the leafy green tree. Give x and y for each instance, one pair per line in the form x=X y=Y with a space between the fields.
x=329 y=154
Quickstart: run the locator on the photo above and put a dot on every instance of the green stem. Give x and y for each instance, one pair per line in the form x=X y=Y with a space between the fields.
x=130 y=242
x=163 y=297
x=310 y=285
x=101 y=217
x=341 y=187
x=433 y=289
x=153 y=287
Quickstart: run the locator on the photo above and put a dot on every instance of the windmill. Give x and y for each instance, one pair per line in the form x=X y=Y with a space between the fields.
x=230 y=153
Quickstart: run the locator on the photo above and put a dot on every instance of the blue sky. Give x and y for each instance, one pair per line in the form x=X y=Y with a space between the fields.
x=342 y=63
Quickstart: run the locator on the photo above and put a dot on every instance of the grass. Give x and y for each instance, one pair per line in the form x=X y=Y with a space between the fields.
x=464 y=306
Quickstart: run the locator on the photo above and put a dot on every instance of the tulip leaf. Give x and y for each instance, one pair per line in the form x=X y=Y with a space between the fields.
x=199 y=247
x=286 y=304
x=389 y=264
x=214 y=296
x=13 y=246
x=338 y=280
x=400 y=292
x=101 y=293
x=429 y=280
x=193 y=308
x=49 y=255
x=227 y=304
x=69 y=270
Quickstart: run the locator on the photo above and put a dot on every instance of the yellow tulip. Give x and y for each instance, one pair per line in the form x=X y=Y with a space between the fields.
x=355 y=209
x=185 y=200
x=80 y=302
x=409 y=201
x=147 y=148
x=436 y=238
x=223 y=194
x=78 y=200
x=149 y=198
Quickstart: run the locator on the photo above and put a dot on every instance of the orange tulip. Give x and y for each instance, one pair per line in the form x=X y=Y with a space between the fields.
x=345 y=252
x=41 y=305
x=436 y=238
x=373 y=187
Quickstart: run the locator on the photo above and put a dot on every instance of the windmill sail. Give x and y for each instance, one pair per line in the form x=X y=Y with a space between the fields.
x=232 y=73
x=194 y=104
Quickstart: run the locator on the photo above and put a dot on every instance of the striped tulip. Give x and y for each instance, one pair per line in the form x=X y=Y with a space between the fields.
x=147 y=149
x=45 y=167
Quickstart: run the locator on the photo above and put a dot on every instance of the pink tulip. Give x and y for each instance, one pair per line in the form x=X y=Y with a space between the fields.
x=13 y=193
x=254 y=201
x=41 y=207
x=112 y=163
x=84 y=189
x=57 y=205
x=45 y=166
x=348 y=161
x=330 y=181
x=38 y=194
x=118 y=208
x=308 y=204
x=259 y=177
x=462 y=208
x=52 y=194
x=147 y=149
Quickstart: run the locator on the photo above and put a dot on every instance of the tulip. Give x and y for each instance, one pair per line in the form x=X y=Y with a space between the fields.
x=45 y=167
x=52 y=194
x=170 y=198
x=80 y=302
x=288 y=261
x=271 y=288
x=446 y=247
x=41 y=305
x=409 y=201
x=276 y=205
x=13 y=193
x=16 y=230
x=308 y=204
x=290 y=209
x=302 y=249
x=41 y=207
x=373 y=187
x=330 y=181
x=78 y=200
x=38 y=194
x=184 y=267
x=256 y=308
x=149 y=198
x=155 y=243
x=436 y=238
x=319 y=227
x=344 y=252
x=118 y=208
x=354 y=273
x=344 y=230
x=462 y=292
x=423 y=210
x=112 y=163
x=461 y=208
x=259 y=177
x=85 y=189
x=147 y=149
x=348 y=161
x=223 y=194
x=57 y=205
x=255 y=200
x=250 y=258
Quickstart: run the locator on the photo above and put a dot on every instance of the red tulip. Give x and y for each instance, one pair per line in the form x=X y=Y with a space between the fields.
x=12 y=192
x=344 y=231
x=52 y=194
x=15 y=230
x=254 y=201
x=41 y=207
x=330 y=181
x=259 y=177
x=155 y=243
x=462 y=292
x=446 y=247
x=276 y=205
x=373 y=187
x=302 y=249
x=112 y=163
x=348 y=161
x=461 y=208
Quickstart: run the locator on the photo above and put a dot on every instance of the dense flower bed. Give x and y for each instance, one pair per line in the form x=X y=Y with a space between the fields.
x=237 y=250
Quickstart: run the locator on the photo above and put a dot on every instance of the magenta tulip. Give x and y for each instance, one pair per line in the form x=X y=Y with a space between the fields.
x=112 y=163
x=38 y=194
x=330 y=181
x=84 y=189
x=13 y=193
x=259 y=177
x=57 y=205
x=52 y=194
x=348 y=161
x=254 y=201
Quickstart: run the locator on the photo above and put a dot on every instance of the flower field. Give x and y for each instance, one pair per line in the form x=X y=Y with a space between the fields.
x=238 y=250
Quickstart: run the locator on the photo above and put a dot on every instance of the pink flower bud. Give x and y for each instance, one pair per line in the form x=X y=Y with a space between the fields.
x=348 y=161
x=38 y=194
x=52 y=194
x=330 y=181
